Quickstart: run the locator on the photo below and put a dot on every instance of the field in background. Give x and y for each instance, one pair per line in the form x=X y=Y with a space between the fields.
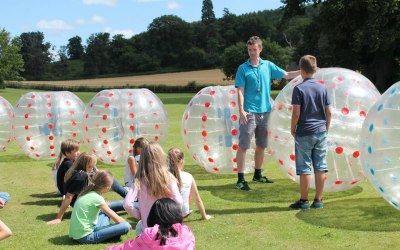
x=202 y=77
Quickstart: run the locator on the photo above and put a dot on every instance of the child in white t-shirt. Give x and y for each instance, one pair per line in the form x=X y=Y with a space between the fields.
x=187 y=184
x=133 y=161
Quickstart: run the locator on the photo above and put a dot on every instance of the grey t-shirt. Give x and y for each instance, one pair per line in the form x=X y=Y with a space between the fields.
x=313 y=98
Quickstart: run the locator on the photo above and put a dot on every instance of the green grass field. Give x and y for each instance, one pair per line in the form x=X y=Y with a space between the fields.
x=355 y=219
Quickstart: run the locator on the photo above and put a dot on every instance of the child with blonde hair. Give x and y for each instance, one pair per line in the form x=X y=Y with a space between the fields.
x=90 y=219
x=152 y=182
x=187 y=184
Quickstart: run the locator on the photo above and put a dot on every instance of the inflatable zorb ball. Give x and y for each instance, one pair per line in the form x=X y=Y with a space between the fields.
x=42 y=120
x=115 y=118
x=6 y=116
x=210 y=130
x=351 y=96
x=380 y=145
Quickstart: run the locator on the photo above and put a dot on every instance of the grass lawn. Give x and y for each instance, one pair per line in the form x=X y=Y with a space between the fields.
x=355 y=219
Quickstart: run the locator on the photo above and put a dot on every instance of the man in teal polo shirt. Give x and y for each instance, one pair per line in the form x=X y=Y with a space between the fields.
x=253 y=81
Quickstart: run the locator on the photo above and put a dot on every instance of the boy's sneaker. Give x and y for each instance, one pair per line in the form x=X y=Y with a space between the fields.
x=300 y=204
x=317 y=204
x=262 y=179
x=243 y=186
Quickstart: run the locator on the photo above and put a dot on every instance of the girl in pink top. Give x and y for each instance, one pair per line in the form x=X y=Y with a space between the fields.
x=165 y=230
x=152 y=182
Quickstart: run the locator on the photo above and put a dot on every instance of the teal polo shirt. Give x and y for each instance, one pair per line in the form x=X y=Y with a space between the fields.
x=256 y=82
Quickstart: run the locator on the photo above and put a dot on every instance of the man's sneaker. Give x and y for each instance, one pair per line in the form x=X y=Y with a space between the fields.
x=300 y=204
x=317 y=204
x=262 y=179
x=243 y=186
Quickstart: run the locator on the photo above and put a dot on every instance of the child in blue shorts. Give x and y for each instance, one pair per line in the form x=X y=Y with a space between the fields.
x=310 y=122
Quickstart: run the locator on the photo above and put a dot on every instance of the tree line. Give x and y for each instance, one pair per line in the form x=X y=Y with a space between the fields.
x=356 y=34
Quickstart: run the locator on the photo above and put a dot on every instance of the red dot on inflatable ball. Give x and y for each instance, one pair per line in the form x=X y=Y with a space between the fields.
x=339 y=150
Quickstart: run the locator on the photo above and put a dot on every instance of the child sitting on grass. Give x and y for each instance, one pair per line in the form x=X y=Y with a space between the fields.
x=133 y=161
x=90 y=219
x=153 y=181
x=187 y=184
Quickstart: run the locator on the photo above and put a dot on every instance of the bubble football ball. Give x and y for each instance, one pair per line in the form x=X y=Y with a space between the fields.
x=210 y=130
x=6 y=116
x=115 y=118
x=351 y=96
x=380 y=145
x=43 y=120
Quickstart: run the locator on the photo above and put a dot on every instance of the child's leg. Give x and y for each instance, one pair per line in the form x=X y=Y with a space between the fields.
x=5 y=232
x=319 y=184
x=118 y=188
x=4 y=196
x=319 y=162
x=101 y=234
x=116 y=205
x=304 y=186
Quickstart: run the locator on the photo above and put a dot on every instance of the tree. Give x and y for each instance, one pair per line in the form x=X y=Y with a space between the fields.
x=207 y=12
x=11 y=62
x=227 y=25
x=296 y=7
x=168 y=36
x=359 y=35
x=97 y=58
x=75 y=48
x=233 y=56
x=35 y=53
x=237 y=54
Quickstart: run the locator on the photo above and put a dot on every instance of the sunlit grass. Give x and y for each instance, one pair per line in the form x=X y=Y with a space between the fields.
x=355 y=219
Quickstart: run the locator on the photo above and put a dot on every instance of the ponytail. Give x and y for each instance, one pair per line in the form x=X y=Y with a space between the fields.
x=101 y=181
x=175 y=155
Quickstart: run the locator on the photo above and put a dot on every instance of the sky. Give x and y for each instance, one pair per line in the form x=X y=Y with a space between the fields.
x=60 y=20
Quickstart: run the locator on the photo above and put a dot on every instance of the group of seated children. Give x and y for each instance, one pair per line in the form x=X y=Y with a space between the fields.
x=158 y=196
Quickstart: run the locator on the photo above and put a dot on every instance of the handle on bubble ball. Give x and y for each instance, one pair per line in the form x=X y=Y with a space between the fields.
x=228 y=127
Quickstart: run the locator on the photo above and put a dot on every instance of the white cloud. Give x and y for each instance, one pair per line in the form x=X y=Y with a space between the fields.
x=92 y=20
x=98 y=19
x=127 y=33
x=100 y=2
x=173 y=5
x=53 y=25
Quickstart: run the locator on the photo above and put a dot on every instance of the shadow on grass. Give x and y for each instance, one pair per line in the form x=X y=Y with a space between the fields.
x=46 y=195
x=52 y=216
x=43 y=203
x=282 y=191
x=372 y=214
x=15 y=158
x=250 y=210
x=63 y=240
x=66 y=240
